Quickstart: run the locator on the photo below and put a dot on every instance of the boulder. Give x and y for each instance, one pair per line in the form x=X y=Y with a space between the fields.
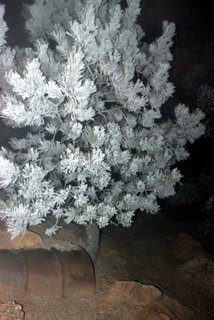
x=132 y=300
x=11 y=311
x=27 y=239
x=186 y=248
x=133 y=293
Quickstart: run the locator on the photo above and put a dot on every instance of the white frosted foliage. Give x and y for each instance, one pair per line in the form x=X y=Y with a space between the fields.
x=89 y=93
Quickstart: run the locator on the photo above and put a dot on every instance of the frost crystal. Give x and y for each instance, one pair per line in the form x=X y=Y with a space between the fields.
x=90 y=96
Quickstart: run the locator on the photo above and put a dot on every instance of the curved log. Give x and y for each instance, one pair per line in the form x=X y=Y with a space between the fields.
x=47 y=273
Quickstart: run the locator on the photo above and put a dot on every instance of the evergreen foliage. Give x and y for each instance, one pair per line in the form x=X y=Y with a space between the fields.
x=90 y=93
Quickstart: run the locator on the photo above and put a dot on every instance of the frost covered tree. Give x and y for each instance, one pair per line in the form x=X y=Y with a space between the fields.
x=90 y=92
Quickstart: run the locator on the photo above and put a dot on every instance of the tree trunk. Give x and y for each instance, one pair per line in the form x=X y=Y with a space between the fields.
x=92 y=240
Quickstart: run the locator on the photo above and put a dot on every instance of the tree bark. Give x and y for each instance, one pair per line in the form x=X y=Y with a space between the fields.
x=92 y=240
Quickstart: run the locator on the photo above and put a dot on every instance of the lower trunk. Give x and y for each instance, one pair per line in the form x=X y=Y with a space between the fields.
x=92 y=240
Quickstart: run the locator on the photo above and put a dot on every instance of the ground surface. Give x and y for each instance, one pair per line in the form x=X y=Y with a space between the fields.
x=155 y=251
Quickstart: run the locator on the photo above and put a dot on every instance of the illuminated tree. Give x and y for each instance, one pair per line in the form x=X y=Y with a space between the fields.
x=90 y=93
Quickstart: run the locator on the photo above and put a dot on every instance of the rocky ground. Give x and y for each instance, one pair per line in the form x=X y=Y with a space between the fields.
x=159 y=269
